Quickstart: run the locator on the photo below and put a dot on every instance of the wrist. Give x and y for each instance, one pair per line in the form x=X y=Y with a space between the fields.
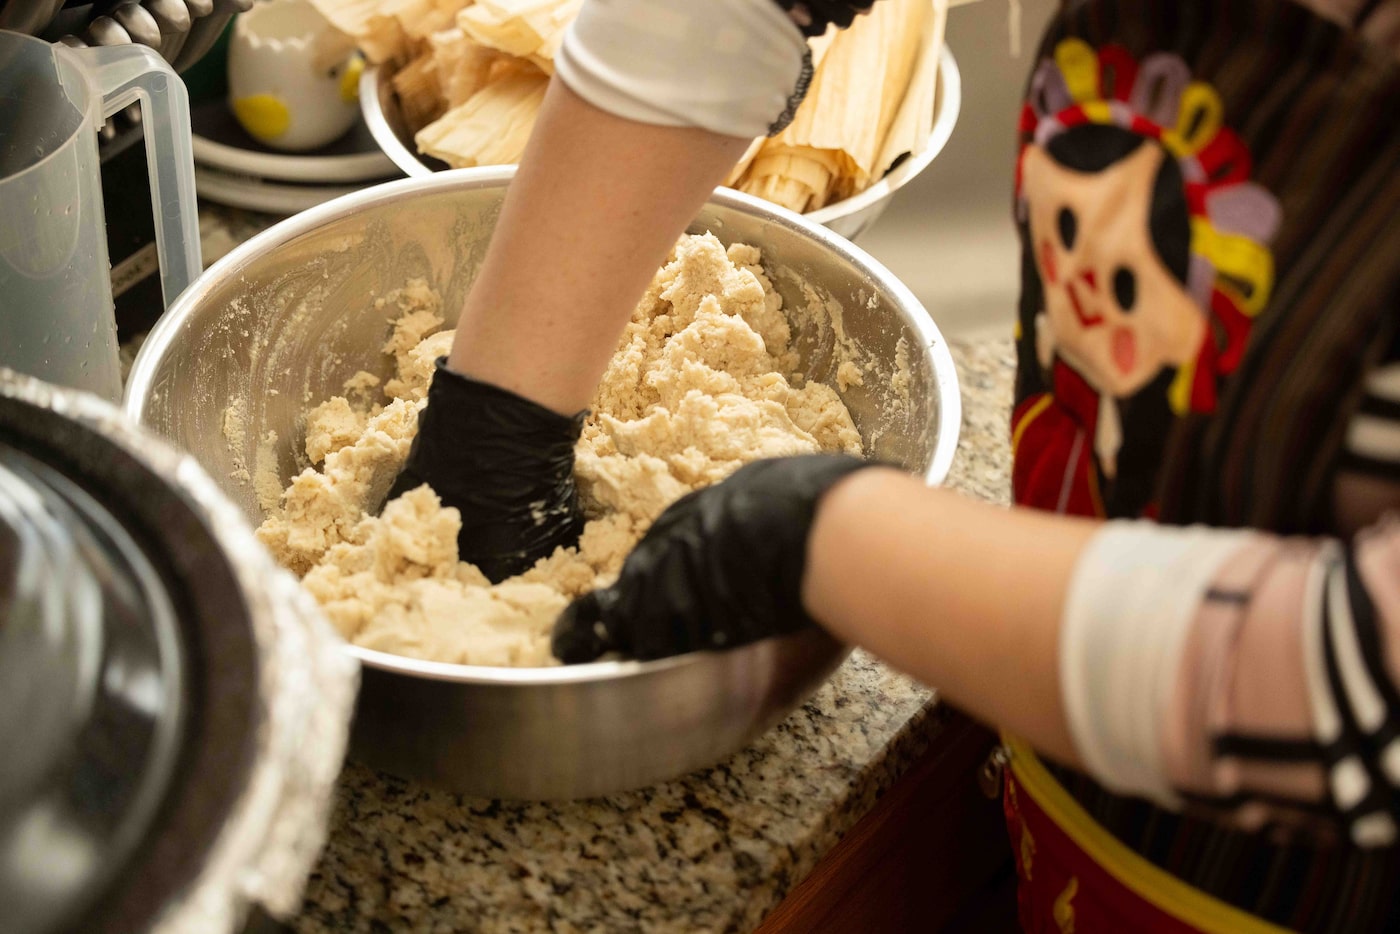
x=828 y=592
x=464 y=391
x=503 y=372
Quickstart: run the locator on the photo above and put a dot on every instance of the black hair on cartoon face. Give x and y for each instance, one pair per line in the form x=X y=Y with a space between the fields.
x=1094 y=147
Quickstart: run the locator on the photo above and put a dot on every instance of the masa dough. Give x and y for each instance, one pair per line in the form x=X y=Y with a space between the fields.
x=703 y=381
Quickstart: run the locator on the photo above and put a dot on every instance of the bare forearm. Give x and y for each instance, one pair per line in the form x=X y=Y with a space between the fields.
x=963 y=595
x=595 y=207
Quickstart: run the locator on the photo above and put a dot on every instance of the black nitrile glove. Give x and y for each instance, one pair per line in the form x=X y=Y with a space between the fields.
x=720 y=568
x=505 y=463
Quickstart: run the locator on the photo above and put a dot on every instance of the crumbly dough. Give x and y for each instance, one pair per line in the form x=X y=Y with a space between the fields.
x=703 y=381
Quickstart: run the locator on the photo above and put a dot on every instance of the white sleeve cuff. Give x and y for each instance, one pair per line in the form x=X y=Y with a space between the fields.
x=728 y=66
x=1135 y=592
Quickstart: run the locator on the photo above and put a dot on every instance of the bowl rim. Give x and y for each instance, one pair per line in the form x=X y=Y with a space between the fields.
x=948 y=411
x=948 y=100
x=378 y=120
x=553 y=675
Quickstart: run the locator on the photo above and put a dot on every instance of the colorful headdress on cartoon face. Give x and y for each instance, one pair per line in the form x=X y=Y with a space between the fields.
x=1231 y=272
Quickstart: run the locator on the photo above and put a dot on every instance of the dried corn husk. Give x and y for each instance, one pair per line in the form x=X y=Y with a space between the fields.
x=421 y=18
x=492 y=127
x=378 y=35
x=833 y=146
x=819 y=46
x=463 y=65
x=528 y=29
x=798 y=178
x=420 y=93
x=390 y=30
x=913 y=123
x=451 y=70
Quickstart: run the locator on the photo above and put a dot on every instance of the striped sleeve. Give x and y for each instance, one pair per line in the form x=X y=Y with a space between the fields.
x=1376 y=20
x=1373 y=435
x=1250 y=676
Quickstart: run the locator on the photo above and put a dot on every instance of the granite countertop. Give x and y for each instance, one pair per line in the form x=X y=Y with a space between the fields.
x=713 y=851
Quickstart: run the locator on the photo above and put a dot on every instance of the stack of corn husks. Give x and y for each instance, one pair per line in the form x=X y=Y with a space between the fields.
x=470 y=76
x=871 y=101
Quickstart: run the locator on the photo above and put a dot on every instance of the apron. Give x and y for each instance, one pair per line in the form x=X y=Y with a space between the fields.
x=1076 y=876
x=1206 y=193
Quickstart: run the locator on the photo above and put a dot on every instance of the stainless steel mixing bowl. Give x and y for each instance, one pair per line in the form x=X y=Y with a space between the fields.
x=849 y=217
x=283 y=321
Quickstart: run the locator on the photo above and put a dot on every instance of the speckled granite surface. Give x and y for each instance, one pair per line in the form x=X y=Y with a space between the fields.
x=714 y=851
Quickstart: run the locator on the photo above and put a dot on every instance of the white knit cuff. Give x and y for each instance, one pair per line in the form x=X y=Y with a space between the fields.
x=728 y=66
x=1135 y=591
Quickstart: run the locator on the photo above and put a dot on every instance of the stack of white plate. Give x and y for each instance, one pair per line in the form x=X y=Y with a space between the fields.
x=232 y=168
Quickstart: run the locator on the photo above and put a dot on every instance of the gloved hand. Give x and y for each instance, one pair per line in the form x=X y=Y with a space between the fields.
x=720 y=568
x=506 y=463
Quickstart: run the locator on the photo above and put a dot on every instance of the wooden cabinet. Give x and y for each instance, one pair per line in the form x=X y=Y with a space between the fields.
x=932 y=855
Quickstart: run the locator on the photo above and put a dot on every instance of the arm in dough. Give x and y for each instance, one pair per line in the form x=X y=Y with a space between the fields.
x=656 y=100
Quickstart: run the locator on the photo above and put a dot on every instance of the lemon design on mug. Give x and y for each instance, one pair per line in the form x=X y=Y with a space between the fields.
x=264 y=116
x=350 y=80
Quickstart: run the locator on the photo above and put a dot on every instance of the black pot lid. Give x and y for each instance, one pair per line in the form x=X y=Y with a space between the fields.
x=173 y=708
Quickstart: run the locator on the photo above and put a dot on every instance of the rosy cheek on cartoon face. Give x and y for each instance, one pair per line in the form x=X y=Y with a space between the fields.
x=1124 y=346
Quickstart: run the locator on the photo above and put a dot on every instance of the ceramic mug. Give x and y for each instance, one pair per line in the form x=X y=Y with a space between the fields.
x=293 y=78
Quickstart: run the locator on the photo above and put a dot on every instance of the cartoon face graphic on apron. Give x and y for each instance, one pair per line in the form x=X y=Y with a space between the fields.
x=1146 y=263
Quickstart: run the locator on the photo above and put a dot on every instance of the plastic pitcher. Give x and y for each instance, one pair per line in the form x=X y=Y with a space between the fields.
x=57 y=320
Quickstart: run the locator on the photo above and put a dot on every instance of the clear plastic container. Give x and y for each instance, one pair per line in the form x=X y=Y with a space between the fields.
x=57 y=320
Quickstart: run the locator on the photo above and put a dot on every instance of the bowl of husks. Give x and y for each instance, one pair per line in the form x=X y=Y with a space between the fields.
x=459 y=88
x=293 y=371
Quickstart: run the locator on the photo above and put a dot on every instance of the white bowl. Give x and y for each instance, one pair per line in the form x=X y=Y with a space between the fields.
x=849 y=217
